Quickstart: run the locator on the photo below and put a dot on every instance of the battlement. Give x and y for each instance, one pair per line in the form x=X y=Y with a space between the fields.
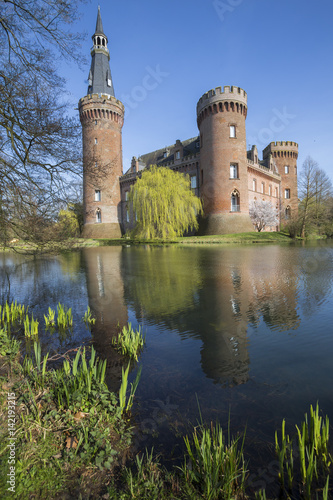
x=281 y=148
x=282 y=144
x=100 y=98
x=226 y=93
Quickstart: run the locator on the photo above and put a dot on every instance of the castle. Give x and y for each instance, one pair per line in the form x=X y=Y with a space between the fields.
x=223 y=172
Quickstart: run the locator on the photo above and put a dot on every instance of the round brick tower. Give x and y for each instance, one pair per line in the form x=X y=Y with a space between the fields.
x=221 y=115
x=102 y=118
x=283 y=155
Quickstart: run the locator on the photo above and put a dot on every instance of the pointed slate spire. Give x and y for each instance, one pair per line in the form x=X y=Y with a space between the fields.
x=99 y=24
x=100 y=80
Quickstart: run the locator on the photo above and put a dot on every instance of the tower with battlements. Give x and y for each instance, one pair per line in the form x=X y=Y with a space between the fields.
x=221 y=115
x=283 y=155
x=102 y=118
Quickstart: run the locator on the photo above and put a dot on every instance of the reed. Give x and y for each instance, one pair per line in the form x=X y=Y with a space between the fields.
x=216 y=467
x=129 y=342
x=50 y=318
x=12 y=314
x=64 y=317
x=79 y=378
x=30 y=326
x=126 y=407
x=88 y=318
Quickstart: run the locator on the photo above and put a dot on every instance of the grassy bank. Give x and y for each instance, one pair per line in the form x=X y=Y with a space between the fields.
x=76 y=243
x=65 y=435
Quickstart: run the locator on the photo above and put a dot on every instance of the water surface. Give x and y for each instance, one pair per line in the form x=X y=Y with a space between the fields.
x=243 y=330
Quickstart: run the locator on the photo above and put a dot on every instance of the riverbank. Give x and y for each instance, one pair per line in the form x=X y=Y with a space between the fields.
x=65 y=435
x=223 y=239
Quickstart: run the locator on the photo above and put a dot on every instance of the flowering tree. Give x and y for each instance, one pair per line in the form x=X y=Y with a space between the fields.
x=263 y=214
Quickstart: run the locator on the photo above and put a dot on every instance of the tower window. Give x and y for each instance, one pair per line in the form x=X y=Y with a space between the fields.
x=232 y=131
x=286 y=169
x=97 y=195
x=270 y=190
x=287 y=193
x=235 y=207
x=177 y=155
x=126 y=195
x=127 y=216
x=98 y=216
x=262 y=187
x=288 y=212
x=193 y=181
x=276 y=192
x=95 y=122
x=233 y=171
x=95 y=140
x=254 y=185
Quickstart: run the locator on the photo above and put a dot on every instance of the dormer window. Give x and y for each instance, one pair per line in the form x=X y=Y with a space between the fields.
x=177 y=155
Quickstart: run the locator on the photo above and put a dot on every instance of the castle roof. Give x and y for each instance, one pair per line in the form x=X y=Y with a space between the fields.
x=165 y=155
x=99 y=24
x=100 y=79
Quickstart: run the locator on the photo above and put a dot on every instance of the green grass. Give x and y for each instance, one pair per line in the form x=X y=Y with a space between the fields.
x=251 y=237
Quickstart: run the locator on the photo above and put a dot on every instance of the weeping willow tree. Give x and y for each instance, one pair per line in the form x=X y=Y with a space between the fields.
x=163 y=204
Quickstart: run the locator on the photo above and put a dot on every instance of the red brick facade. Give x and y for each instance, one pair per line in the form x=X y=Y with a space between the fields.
x=102 y=118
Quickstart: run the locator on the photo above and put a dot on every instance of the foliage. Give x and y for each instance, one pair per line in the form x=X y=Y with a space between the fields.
x=314 y=459
x=68 y=223
x=30 y=326
x=64 y=318
x=129 y=342
x=163 y=204
x=123 y=389
x=215 y=468
x=9 y=346
x=263 y=214
x=87 y=318
x=50 y=318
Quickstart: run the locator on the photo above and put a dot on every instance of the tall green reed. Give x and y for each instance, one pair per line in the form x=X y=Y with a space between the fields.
x=129 y=342
x=124 y=403
x=215 y=467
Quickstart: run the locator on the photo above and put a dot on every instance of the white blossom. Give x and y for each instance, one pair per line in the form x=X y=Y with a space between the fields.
x=263 y=214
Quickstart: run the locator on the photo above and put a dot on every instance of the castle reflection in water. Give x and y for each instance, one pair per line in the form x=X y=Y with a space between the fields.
x=212 y=294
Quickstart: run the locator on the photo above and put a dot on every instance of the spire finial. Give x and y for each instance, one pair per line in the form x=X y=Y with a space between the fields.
x=99 y=25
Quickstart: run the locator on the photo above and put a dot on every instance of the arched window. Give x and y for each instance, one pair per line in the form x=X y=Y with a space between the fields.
x=98 y=41
x=98 y=215
x=288 y=212
x=235 y=206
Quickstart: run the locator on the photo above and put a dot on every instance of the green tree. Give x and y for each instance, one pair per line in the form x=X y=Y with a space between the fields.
x=163 y=205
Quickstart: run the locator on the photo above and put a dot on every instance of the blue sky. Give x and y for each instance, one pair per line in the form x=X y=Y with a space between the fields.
x=165 y=55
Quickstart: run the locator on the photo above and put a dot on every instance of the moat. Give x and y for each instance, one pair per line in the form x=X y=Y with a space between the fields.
x=241 y=330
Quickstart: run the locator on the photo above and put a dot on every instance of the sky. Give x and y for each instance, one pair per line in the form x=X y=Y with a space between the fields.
x=166 y=55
